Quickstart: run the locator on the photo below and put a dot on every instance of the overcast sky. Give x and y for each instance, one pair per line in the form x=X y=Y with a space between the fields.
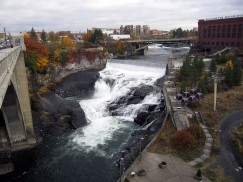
x=78 y=15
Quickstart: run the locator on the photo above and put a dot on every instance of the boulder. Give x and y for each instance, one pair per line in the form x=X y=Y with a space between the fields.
x=141 y=118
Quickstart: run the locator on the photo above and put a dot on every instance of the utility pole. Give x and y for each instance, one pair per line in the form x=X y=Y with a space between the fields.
x=217 y=78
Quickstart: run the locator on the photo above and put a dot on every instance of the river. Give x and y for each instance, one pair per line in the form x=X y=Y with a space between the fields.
x=89 y=154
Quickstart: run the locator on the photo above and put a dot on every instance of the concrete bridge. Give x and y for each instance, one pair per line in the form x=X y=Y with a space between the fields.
x=16 y=126
x=138 y=46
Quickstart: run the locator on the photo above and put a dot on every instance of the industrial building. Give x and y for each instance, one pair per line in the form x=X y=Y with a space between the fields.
x=221 y=32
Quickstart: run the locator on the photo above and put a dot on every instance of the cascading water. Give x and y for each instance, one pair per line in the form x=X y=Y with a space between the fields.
x=89 y=154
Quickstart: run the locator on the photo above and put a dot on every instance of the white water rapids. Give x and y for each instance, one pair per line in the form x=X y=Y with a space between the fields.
x=102 y=127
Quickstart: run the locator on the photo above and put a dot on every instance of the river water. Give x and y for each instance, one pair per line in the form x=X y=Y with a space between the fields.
x=89 y=153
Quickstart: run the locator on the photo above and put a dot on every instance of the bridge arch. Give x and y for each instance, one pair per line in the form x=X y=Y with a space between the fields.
x=12 y=126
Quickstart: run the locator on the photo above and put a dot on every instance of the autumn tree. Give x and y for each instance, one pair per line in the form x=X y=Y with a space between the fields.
x=133 y=36
x=67 y=43
x=119 y=47
x=87 y=37
x=229 y=78
x=35 y=53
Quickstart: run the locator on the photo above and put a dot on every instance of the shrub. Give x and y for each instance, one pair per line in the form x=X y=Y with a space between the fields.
x=183 y=140
x=199 y=173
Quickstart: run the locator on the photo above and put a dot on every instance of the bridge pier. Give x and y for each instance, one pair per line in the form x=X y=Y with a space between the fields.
x=16 y=124
x=21 y=85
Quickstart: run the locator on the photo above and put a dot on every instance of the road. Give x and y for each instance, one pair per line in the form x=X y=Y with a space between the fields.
x=229 y=158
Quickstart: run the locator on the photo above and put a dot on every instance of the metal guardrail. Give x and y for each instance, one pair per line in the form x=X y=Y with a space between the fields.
x=7 y=61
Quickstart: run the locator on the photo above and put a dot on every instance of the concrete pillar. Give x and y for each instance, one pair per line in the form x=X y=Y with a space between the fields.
x=20 y=82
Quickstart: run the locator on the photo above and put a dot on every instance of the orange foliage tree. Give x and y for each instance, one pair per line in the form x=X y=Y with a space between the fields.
x=36 y=54
x=87 y=36
x=33 y=46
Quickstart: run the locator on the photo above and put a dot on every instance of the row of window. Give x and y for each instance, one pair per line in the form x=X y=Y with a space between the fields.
x=237 y=44
x=224 y=31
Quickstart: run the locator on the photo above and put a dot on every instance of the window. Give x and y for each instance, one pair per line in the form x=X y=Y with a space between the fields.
x=223 y=31
x=222 y=43
x=239 y=31
x=238 y=44
x=218 y=31
x=209 y=32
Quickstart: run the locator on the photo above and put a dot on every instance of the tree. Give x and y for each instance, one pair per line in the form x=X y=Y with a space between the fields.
x=42 y=62
x=133 y=36
x=119 y=47
x=67 y=43
x=53 y=37
x=43 y=36
x=185 y=69
x=33 y=34
x=236 y=73
x=87 y=37
x=202 y=86
x=213 y=65
x=229 y=78
x=97 y=36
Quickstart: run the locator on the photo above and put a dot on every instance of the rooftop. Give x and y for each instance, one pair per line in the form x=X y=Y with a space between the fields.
x=220 y=18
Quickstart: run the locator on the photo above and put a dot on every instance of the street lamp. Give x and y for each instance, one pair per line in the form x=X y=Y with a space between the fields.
x=217 y=78
x=140 y=147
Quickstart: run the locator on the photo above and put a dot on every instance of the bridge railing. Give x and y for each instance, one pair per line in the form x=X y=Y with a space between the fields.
x=8 y=58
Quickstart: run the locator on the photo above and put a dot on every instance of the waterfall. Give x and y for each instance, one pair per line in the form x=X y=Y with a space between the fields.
x=116 y=80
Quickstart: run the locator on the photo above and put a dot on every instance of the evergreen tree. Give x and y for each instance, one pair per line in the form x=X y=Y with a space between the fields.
x=236 y=73
x=33 y=34
x=213 y=65
x=43 y=36
x=185 y=70
x=202 y=86
x=199 y=65
x=96 y=37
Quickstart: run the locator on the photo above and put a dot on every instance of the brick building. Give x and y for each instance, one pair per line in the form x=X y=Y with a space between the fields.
x=221 y=32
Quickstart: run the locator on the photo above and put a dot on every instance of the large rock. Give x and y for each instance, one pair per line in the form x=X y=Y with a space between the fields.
x=77 y=84
x=135 y=96
x=141 y=118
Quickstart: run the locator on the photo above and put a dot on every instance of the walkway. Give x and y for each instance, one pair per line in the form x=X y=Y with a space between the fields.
x=178 y=113
x=176 y=171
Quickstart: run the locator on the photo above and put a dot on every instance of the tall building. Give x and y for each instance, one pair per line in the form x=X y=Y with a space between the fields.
x=221 y=32
x=137 y=29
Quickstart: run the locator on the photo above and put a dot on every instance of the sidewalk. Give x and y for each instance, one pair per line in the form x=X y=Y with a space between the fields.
x=176 y=171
